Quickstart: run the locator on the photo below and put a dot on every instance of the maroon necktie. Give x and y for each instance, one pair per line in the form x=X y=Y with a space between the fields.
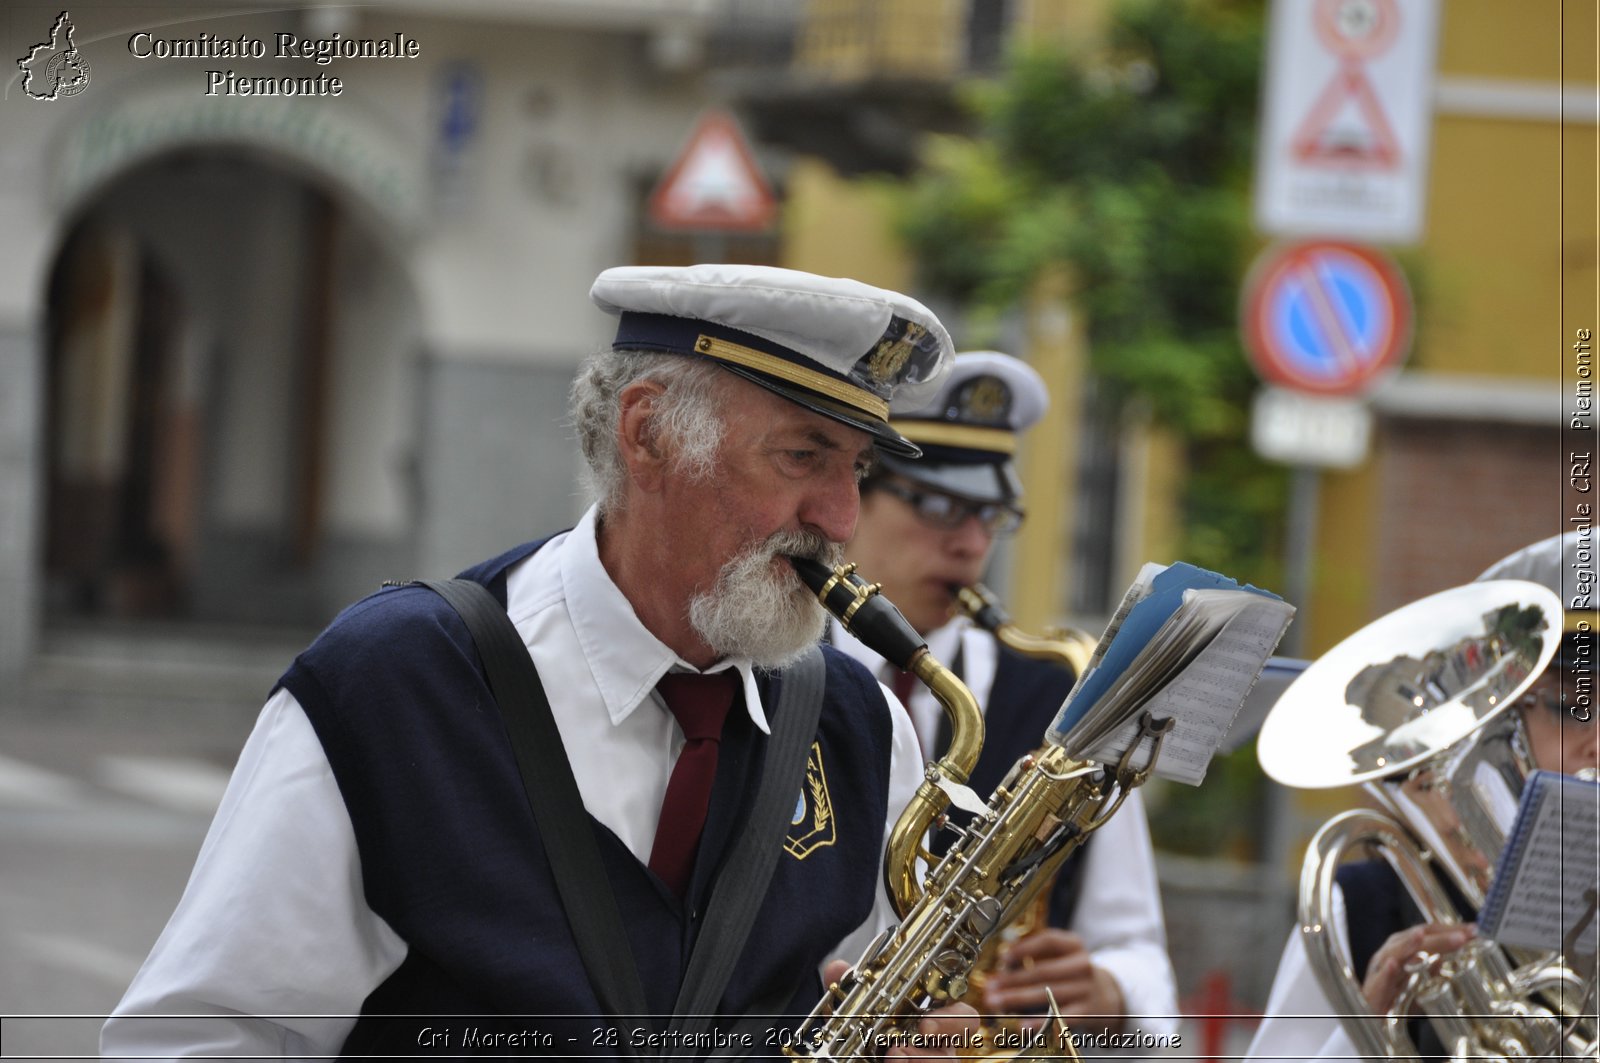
x=700 y=703
x=902 y=685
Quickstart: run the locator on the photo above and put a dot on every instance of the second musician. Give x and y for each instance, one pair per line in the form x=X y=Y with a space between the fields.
x=928 y=526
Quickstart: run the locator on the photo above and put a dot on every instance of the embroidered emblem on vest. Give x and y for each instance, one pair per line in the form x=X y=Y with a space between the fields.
x=812 y=826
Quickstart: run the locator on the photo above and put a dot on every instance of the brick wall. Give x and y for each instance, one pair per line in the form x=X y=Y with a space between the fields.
x=1456 y=497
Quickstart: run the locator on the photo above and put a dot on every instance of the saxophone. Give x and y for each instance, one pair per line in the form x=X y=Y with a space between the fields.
x=1066 y=646
x=1069 y=648
x=1047 y=805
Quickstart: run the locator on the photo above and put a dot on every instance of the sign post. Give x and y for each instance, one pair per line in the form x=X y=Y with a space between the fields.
x=715 y=185
x=1344 y=137
x=1342 y=154
x=1323 y=323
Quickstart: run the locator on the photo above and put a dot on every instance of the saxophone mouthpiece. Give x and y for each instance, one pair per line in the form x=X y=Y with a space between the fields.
x=812 y=573
x=980 y=603
x=865 y=613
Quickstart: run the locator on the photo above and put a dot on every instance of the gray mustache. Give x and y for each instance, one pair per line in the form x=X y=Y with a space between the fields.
x=809 y=545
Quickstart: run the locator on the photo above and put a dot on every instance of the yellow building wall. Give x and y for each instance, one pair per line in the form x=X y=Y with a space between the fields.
x=1496 y=39
x=841 y=228
x=1507 y=266
x=1491 y=274
x=851 y=39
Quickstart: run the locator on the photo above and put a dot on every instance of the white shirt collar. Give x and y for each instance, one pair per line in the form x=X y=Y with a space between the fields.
x=624 y=657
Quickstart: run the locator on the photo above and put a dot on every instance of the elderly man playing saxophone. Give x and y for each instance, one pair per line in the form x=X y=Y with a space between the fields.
x=376 y=882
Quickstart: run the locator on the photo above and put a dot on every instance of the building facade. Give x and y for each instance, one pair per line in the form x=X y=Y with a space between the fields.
x=291 y=300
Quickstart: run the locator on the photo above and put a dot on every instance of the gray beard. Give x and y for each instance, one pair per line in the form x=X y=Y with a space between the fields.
x=752 y=613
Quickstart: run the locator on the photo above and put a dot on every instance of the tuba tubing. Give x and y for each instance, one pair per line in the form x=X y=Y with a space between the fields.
x=1373 y=1035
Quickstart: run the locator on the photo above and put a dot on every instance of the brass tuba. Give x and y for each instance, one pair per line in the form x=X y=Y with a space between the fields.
x=1415 y=707
x=1043 y=810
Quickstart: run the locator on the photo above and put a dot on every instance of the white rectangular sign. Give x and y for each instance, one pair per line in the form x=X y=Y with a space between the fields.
x=1295 y=429
x=1346 y=119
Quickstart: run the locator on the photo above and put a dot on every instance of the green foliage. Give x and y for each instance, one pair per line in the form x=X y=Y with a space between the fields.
x=1223 y=817
x=1130 y=166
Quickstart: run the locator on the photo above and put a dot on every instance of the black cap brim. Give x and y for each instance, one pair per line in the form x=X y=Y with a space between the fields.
x=884 y=438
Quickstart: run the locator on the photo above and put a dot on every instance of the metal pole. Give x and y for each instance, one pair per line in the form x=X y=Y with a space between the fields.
x=1279 y=814
x=1298 y=554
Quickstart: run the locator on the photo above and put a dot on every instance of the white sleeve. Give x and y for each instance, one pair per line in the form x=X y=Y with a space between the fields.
x=272 y=949
x=1118 y=915
x=1299 y=1023
x=905 y=775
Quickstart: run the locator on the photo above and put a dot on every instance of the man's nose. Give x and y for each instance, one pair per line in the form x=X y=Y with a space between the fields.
x=970 y=538
x=832 y=508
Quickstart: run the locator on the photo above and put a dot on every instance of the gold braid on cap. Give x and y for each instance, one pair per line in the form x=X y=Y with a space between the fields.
x=859 y=399
x=945 y=434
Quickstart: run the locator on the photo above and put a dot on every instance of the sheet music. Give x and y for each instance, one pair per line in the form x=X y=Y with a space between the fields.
x=1136 y=593
x=1184 y=643
x=1205 y=697
x=1544 y=885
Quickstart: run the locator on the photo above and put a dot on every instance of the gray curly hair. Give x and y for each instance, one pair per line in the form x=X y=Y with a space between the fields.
x=688 y=417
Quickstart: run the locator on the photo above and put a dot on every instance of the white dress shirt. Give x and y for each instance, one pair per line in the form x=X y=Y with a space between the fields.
x=1118 y=914
x=272 y=949
x=1299 y=1022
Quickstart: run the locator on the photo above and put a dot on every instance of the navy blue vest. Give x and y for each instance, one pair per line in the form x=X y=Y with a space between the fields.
x=451 y=858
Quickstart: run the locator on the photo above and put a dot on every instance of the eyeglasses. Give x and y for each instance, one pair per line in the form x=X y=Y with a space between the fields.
x=1549 y=697
x=1555 y=700
x=947 y=512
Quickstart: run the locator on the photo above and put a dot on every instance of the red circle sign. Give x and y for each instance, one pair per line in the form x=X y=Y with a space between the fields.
x=1324 y=317
x=1356 y=29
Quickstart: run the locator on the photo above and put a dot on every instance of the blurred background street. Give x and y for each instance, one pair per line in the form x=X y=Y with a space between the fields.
x=116 y=753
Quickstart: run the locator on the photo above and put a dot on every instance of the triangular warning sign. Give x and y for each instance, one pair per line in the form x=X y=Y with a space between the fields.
x=1346 y=127
x=715 y=184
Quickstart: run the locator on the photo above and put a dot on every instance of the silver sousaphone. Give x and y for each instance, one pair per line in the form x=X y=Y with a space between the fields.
x=1414 y=707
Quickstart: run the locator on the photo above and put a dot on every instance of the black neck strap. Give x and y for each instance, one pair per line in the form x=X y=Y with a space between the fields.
x=569 y=840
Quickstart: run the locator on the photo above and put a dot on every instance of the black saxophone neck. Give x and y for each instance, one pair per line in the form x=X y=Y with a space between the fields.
x=865 y=613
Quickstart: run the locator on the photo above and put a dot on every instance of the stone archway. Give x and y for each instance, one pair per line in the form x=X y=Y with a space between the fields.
x=230 y=395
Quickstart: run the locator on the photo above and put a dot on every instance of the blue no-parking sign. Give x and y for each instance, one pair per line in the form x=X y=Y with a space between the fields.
x=1326 y=318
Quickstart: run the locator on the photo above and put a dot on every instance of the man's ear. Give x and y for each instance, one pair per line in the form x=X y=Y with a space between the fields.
x=637 y=437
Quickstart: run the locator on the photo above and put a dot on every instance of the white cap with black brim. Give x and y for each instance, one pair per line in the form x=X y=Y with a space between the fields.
x=970 y=427
x=838 y=347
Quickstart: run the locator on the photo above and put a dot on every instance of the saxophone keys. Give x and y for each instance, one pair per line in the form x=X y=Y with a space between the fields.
x=985 y=914
x=947 y=975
